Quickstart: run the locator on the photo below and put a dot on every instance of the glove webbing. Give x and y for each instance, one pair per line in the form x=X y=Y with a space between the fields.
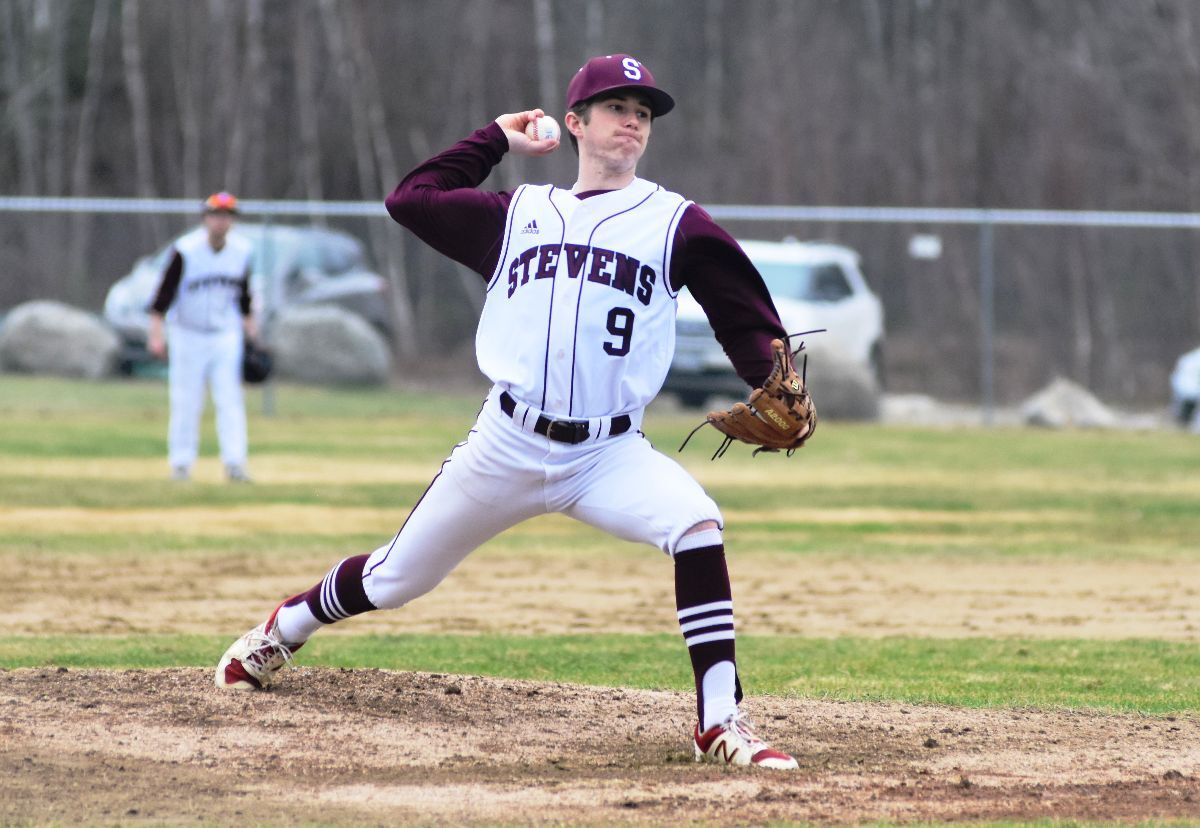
x=727 y=441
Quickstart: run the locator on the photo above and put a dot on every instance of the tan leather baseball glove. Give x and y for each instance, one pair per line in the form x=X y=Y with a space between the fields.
x=778 y=416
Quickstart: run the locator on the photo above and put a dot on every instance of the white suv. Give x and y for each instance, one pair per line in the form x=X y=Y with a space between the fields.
x=814 y=285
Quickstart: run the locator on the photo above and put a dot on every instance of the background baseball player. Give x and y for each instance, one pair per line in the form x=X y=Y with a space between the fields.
x=576 y=333
x=205 y=298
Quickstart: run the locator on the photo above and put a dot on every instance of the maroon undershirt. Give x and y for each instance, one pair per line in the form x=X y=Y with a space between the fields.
x=440 y=203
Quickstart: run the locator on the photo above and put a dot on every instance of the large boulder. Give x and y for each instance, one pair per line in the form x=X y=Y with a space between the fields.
x=47 y=337
x=841 y=389
x=327 y=345
x=1064 y=404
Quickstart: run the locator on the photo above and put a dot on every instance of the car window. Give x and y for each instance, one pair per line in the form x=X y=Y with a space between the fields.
x=829 y=284
x=787 y=280
x=810 y=282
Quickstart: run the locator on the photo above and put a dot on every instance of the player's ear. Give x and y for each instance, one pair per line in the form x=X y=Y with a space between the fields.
x=574 y=123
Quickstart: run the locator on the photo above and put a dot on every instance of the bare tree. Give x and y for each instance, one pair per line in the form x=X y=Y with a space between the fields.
x=308 y=118
x=79 y=236
x=543 y=20
x=372 y=154
x=878 y=102
x=594 y=27
x=54 y=19
x=21 y=90
x=223 y=94
x=139 y=104
x=1187 y=34
x=188 y=76
x=257 y=93
x=714 y=87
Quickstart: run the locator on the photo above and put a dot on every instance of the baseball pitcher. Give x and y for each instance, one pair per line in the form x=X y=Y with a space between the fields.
x=576 y=335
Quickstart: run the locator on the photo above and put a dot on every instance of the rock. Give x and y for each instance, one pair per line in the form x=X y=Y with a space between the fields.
x=45 y=337
x=327 y=345
x=1064 y=404
x=841 y=389
x=924 y=410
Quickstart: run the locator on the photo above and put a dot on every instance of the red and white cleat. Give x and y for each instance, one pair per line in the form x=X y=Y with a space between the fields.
x=252 y=662
x=734 y=743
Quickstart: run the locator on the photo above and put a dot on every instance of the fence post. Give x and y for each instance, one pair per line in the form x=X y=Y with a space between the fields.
x=987 y=320
x=268 y=321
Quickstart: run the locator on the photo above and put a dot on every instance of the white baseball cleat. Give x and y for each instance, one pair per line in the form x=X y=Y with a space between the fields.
x=237 y=474
x=733 y=742
x=252 y=662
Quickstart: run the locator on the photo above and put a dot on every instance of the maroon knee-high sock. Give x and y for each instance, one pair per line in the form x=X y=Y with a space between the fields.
x=705 y=603
x=340 y=594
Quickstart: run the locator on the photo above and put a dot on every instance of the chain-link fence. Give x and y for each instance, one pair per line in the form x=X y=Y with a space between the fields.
x=994 y=304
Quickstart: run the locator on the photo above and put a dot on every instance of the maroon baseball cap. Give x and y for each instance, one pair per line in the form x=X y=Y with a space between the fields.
x=612 y=72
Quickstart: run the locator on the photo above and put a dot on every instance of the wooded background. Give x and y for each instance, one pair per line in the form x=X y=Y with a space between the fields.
x=1090 y=104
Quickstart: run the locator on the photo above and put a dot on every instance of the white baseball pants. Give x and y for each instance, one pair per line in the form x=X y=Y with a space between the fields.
x=197 y=360
x=503 y=474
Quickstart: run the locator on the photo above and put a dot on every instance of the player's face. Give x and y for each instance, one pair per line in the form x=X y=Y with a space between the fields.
x=617 y=129
x=218 y=224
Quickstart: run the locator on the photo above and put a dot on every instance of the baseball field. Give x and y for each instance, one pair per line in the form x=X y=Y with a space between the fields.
x=944 y=625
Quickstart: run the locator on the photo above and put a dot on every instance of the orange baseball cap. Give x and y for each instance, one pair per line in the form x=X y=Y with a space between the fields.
x=221 y=202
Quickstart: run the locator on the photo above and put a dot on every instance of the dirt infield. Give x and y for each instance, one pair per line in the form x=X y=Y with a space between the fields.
x=377 y=747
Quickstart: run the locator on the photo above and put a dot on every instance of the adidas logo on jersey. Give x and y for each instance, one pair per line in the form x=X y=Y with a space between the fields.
x=531 y=227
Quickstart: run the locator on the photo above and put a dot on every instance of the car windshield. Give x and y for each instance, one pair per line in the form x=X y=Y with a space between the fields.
x=817 y=282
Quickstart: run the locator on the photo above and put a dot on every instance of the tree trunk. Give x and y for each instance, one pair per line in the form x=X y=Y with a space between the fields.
x=56 y=129
x=223 y=98
x=1187 y=32
x=390 y=246
x=80 y=234
x=135 y=88
x=543 y=22
x=714 y=90
x=594 y=28
x=256 y=82
x=306 y=111
x=22 y=89
x=360 y=89
x=187 y=74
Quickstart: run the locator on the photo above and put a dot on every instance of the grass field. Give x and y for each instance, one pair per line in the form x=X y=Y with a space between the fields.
x=83 y=480
x=999 y=569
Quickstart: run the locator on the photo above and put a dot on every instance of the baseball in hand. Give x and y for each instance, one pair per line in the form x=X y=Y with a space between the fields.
x=544 y=128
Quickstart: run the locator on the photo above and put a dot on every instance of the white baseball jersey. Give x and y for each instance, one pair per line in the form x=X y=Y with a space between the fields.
x=210 y=286
x=591 y=275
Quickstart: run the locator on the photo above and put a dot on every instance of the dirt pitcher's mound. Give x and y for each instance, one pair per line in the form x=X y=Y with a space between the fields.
x=378 y=747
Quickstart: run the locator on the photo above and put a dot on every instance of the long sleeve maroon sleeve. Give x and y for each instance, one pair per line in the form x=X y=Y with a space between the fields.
x=438 y=201
x=169 y=286
x=714 y=268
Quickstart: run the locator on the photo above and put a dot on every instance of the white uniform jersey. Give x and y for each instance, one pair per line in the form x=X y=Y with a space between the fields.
x=210 y=286
x=591 y=275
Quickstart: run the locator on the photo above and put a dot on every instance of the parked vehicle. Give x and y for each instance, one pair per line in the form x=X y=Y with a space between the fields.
x=292 y=265
x=814 y=285
x=1185 y=390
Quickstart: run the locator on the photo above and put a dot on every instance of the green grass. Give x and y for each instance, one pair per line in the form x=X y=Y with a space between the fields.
x=1151 y=677
x=967 y=494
